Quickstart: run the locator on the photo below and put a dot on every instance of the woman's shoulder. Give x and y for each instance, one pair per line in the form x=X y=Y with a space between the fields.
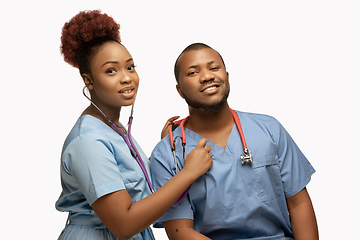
x=87 y=127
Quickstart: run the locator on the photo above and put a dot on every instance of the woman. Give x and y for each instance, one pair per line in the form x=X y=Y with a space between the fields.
x=105 y=191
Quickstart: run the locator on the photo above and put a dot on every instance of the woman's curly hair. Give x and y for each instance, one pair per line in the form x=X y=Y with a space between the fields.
x=84 y=32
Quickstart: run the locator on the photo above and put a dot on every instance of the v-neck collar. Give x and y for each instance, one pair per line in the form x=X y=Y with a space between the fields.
x=193 y=138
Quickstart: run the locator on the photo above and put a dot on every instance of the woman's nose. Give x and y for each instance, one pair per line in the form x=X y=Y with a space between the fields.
x=126 y=77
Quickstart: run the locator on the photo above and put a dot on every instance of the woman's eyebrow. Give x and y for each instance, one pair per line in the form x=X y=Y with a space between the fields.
x=108 y=62
x=116 y=62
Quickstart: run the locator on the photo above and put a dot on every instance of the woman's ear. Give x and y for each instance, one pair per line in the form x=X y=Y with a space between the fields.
x=87 y=80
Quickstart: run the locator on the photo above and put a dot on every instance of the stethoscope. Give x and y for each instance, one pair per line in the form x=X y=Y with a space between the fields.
x=246 y=158
x=133 y=150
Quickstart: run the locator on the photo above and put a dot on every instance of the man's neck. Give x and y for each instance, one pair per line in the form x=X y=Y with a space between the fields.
x=203 y=122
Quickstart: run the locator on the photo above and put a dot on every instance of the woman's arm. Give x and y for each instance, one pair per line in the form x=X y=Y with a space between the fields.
x=125 y=219
x=302 y=216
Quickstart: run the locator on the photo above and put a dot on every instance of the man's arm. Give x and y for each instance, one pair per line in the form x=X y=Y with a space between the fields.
x=182 y=229
x=302 y=216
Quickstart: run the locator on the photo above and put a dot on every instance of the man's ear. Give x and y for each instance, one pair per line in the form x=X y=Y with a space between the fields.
x=178 y=88
x=87 y=80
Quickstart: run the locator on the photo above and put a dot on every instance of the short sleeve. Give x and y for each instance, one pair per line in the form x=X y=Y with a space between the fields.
x=90 y=160
x=295 y=169
x=161 y=168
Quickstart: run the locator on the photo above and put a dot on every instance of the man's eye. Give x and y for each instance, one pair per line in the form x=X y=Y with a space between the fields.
x=191 y=73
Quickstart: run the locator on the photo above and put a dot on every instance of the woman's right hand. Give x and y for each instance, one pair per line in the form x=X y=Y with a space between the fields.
x=198 y=161
x=165 y=130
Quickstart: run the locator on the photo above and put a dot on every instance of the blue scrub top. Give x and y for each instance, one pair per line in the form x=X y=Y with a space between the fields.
x=96 y=161
x=235 y=201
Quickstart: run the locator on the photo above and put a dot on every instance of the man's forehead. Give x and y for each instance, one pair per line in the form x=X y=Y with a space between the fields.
x=196 y=57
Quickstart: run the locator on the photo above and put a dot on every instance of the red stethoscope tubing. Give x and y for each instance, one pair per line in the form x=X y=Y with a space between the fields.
x=181 y=122
x=183 y=136
x=238 y=125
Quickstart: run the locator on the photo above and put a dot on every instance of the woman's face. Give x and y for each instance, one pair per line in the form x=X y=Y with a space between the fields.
x=114 y=78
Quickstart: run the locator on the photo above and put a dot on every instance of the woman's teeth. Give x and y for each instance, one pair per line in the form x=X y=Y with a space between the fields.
x=126 y=91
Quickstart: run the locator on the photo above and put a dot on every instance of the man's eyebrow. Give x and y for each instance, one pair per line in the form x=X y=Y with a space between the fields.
x=193 y=66
x=209 y=63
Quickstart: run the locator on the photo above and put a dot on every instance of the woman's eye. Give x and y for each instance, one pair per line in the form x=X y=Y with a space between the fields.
x=131 y=67
x=110 y=71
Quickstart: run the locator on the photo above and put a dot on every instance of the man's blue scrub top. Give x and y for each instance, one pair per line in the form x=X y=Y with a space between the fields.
x=96 y=161
x=235 y=201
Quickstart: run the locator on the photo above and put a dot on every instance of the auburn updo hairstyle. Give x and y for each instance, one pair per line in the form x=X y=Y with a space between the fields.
x=84 y=34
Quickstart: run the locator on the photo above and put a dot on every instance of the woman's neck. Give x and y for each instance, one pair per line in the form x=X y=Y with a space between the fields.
x=112 y=114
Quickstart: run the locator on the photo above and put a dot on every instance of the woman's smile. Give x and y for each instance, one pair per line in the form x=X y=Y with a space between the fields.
x=127 y=92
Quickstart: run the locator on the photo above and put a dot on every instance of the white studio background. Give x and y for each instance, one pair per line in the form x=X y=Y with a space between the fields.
x=295 y=60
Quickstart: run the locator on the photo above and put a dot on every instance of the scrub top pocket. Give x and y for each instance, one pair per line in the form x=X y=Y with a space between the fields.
x=268 y=178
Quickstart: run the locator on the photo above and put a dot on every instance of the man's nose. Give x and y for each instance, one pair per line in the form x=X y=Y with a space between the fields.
x=206 y=75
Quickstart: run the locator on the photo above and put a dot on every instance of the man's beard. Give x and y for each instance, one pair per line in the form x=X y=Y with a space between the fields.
x=209 y=108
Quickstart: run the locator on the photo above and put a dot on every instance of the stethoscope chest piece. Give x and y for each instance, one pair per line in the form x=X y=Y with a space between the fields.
x=247 y=157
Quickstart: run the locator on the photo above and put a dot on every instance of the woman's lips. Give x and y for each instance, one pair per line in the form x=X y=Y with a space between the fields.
x=127 y=92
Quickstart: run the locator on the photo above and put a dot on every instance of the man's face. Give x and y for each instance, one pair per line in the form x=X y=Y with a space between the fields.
x=203 y=79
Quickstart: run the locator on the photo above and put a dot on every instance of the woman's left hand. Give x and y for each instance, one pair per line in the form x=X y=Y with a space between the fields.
x=165 y=130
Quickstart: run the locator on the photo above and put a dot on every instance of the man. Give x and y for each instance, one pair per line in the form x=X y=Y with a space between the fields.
x=251 y=199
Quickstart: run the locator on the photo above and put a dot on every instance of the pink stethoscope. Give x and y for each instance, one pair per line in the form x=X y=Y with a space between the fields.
x=246 y=158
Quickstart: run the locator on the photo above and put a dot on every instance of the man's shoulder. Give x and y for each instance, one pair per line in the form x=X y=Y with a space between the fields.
x=162 y=147
x=248 y=116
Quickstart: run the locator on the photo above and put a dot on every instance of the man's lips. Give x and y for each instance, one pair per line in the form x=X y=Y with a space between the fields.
x=210 y=86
